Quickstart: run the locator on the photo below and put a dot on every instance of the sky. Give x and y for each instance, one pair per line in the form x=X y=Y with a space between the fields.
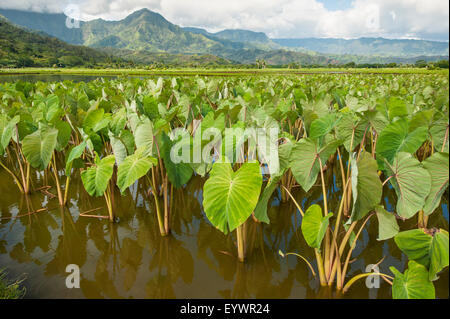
x=414 y=19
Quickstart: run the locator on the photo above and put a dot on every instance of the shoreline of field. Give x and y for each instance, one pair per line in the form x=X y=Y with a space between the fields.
x=215 y=72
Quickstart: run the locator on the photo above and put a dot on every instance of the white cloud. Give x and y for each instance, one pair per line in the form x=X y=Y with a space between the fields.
x=278 y=18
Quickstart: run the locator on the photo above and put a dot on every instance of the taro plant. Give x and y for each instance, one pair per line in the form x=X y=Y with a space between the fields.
x=428 y=253
x=96 y=180
x=230 y=197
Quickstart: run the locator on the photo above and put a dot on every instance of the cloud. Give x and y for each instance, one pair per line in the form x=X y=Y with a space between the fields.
x=278 y=18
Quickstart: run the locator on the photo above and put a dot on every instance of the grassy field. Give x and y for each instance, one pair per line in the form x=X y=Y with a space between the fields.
x=218 y=72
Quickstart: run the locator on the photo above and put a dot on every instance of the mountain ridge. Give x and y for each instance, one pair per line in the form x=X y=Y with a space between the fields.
x=148 y=31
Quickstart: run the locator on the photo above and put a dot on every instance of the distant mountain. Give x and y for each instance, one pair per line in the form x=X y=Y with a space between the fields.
x=243 y=36
x=23 y=48
x=172 y=59
x=53 y=24
x=145 y=31
x=368 y=46
x=256 y=40
x=141 y=30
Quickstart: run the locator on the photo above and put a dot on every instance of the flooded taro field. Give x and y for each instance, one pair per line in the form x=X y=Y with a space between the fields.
x=87 y=179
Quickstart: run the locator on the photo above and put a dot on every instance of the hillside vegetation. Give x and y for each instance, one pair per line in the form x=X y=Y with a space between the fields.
x=21 y=48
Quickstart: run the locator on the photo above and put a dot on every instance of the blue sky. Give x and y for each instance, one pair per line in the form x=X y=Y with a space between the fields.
x=406 y=19
x=334 y=5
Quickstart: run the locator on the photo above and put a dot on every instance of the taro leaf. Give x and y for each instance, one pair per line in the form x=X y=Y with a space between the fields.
x=118 y=148
x=127 y=139
x=201 y=168
x=366 y=186
x=421 y=119
x=209 y=122
x=412 y=183
x=438 y=130
x=229 y=197
x=95 y=179
x=387 y=224
x=267 y=145
x=75 y=153
x=396 y=138
x=427 y=247
x=312 y=111
x=178 y=173
x=413 y=284
x=323 y=125
x=52 y=108
x=351 y=130
x=376 y=120
x=439 y=253
x=397 y=107
x=150 y=106
x=118 y=121
x=134 y=167
x=96 y=120
x=39 y=146
x=304 y=160
x=261 y=207
x=143 y=136
x=284 y=153
x=64 y=132
x=314 y=226
x=437 y=166
x=9 y=131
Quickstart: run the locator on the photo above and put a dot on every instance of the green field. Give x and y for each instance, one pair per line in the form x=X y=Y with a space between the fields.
x=219 y=71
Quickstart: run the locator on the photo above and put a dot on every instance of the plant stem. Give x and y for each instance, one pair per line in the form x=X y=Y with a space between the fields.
x=27 y=183
x=240 y=243
x=166 y=206
x=304 y=259
x=66 y=190
x=158 y=210
x=360 y=276
x=325 y=212
x=340 y=284
x=109 y=204
x=340 y=252
x=323 y=281
x=422 y=220
x=58 y=187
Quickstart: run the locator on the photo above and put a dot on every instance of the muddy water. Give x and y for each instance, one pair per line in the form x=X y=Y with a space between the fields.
x=129 y=259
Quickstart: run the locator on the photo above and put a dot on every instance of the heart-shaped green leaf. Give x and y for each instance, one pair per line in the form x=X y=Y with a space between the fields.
x=8 y=131
x=178 y=173
x=39 y=146
x=437 y=166
x=75 y=153
x=413 y=284
x=229 y=197
x=351 y=130
x=95 y=179
x=314 y=226
x=143 y=136
x=387 y=224
x=428 y=247
x=304 y=160
x=366 y=186
x=118 y=148
x=396 y=138
x=405 y=173
x=134 y=167
x=323 y=125
x=261 y=207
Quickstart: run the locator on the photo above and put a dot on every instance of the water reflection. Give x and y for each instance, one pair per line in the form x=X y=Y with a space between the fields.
x=130 y=258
